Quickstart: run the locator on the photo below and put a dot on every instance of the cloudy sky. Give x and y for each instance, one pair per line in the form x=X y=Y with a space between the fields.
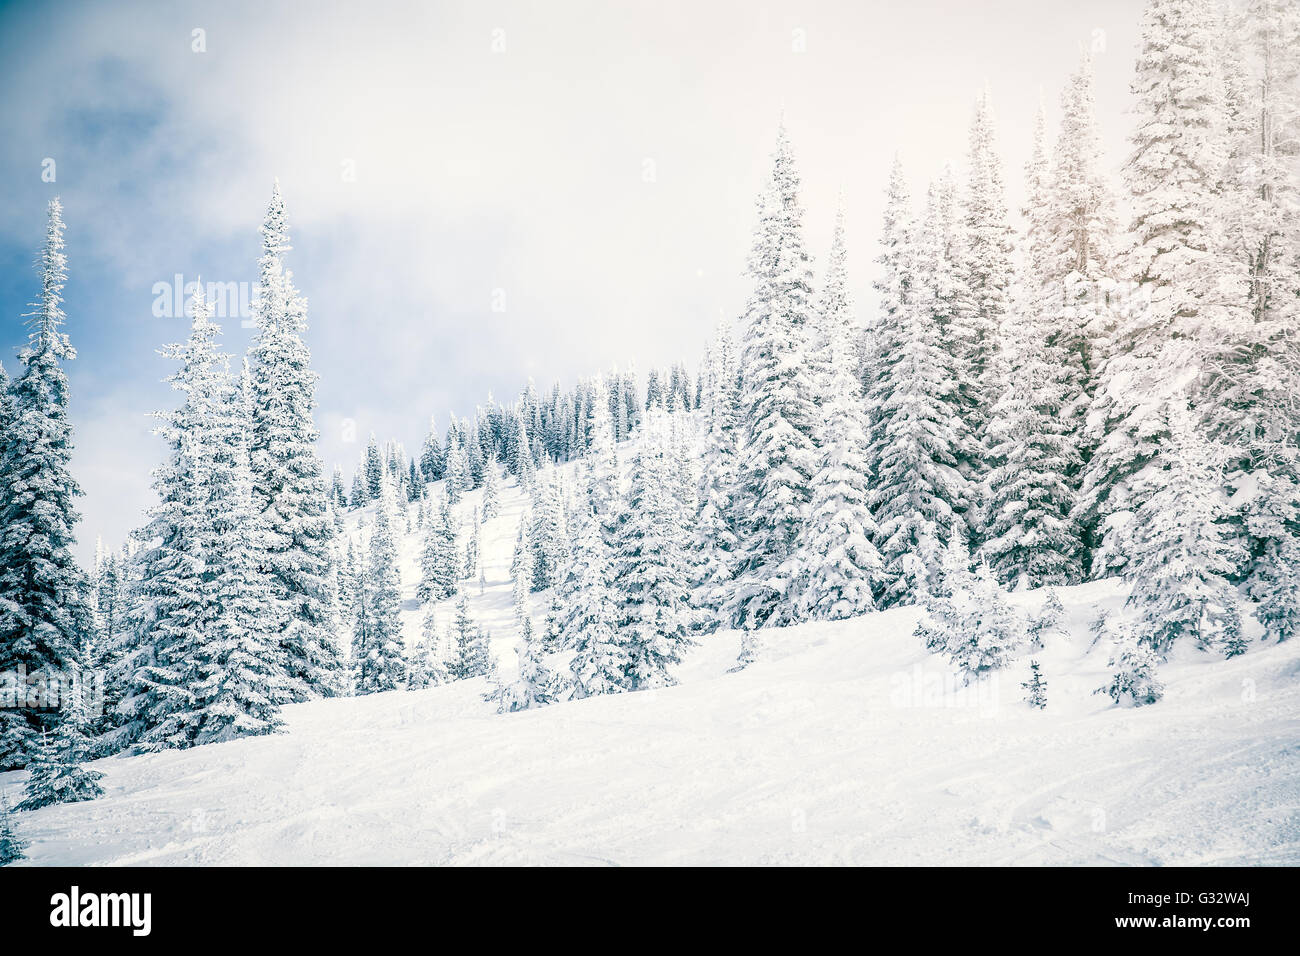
x=590 y=167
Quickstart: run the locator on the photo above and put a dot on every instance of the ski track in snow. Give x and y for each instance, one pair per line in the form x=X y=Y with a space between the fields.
x=813 y=755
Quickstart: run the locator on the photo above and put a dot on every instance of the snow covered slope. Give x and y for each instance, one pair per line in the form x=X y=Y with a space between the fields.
x=845 y=743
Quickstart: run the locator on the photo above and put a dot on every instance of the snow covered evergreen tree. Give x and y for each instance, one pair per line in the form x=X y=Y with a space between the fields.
x=427 y=668
x=45 y=616
x=839 y=562
x=650 y=562
x=1257 y=366
x=1048 y=621
x=372 y=470
x=968 y=618
x=549 y=536
x=288 y=478
x=472 y=656
x=776 y=455
x=835 y=324
x=439 y=563
x=1036 y=687
x=601 y=655
x=56 y=773
x=588 y=590
x=491 y=492
x=1180 y=556
x=174 y=589
x=432 y=461
x=716 y=538
x=458 y=480
x=1133 y=682
x=521 y=566
x=600 y=468
x=1075 y=231
x=240 y=680
x=553 y=632
x=472 y=547
x=536 y=684
x=377 y=650
x=1029 y=534
x=986 y=274
x=1191 y=289
x=916 y=431
x=521 y=458
x=1277 y=589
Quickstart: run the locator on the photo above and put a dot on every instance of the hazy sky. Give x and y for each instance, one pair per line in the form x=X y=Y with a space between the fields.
x=590 y=166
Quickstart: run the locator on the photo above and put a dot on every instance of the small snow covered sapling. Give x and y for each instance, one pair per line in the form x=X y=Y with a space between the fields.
x=56 y=774
x=749 y=645
x=536 y=685
x=427 y=668
x=1133 y=681
x=1035 y=687
x=968 y=616
x=1049 y=620
x=1233 y=644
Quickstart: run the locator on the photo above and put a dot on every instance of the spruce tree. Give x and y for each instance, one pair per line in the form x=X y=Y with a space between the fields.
x=968 y=618
x=650 y=563
x=715 y=533
x=536 y=684
x=1191 y=291
x=1257 y=366
x=1075 y=231
x=439 y=565
x=1133 y=682
x=1048 y=621
x=240 y=680
x=491 y=492
x=57 y=773
x=45 y=616
x=916 y=432
x=288 y=479
x=601 y=655
x=458 y=479
x=471 y=653
x=777 y=413
x=472 y=548
x=986 y=274
x=548 y=534
x=521 y=566
x=1030 y=534
x=427 y=668
x=373 y=468
x=1036 y=687
x=432 y=461
x=175 y=590
x=838 y=560
x=1275 y=584
x=1028 y=502
x=553 y=633
x=1180 y=556
x=378 y=653
x=521 y=458
x=834 y=324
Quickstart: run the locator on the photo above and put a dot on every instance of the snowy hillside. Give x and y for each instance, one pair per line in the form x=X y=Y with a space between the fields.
x=845 y=743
